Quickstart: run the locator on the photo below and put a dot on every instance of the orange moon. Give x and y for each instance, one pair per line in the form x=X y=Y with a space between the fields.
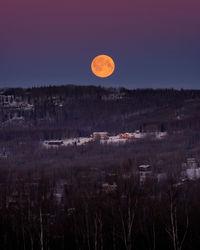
x=103 y=66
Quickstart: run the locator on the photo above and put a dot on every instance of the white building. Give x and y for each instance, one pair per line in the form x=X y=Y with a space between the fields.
x=145 y=172
x=191 y=169
x=192 y=173
x=190 y=163
x=101 y=135
x=139 y=135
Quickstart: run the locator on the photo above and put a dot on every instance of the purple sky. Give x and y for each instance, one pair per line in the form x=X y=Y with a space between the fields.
x=154 y=43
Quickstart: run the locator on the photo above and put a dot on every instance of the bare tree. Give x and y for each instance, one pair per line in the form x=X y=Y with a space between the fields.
x=127 y=219
x=172 y=229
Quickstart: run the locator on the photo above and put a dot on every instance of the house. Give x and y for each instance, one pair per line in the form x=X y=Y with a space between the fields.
x=192 y=173
x=126 y=136
x=101 y=135
x=160 y=135
x=54 y=143
x=145 y=172
x=6 y=99
x=190 y=163
x=191 y=169
x=139 y=135
x=83 y=141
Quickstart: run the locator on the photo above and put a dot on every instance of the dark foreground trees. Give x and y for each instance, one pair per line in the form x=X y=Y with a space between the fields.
x=132 y=217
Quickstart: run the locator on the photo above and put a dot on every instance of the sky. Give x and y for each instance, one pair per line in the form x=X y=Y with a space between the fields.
x=154 y=43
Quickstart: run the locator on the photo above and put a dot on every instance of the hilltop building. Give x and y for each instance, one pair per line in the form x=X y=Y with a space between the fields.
x=101 y=135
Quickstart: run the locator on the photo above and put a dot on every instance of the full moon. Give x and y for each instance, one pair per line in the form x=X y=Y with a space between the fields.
x=103 y=66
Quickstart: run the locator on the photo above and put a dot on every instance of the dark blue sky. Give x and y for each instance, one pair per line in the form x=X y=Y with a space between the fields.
x=155 y=44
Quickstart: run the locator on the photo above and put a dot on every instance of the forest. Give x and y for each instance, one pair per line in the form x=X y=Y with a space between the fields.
x=91 y=197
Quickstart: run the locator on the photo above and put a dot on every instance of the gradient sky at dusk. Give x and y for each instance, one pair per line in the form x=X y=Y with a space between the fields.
x=154 y=43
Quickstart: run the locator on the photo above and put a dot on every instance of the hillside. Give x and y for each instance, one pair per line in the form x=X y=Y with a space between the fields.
x=79 y=110
x=63 y=188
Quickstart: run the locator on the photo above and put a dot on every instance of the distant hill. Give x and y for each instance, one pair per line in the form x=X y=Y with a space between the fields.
x=57 y=111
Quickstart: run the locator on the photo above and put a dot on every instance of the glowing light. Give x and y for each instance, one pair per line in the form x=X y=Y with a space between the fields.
x=103 y=66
